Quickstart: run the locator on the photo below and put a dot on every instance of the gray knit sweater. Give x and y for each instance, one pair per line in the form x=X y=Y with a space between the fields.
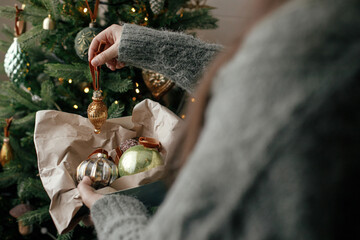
x=278 y=157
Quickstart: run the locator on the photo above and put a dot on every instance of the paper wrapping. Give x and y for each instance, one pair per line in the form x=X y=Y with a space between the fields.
x=64 y=140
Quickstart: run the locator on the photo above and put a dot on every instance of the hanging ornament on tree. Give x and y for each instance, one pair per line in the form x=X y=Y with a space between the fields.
x=48 y=23
x=157 y=83
x=16 y=62
x=156 y=6
x=6 y=154
x=18 y=211
x=97 y=110
x=99 y=167
x=84 y=37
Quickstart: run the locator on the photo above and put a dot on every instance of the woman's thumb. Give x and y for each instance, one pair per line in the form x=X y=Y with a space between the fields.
x=103 y=57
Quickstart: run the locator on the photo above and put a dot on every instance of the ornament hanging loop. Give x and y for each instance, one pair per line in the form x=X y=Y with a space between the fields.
x=18 y=29
x=93 y=15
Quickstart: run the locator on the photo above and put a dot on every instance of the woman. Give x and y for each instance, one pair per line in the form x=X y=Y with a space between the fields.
x=271 y=151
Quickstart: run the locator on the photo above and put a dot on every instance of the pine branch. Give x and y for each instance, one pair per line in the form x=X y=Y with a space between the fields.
x=47 y=92
x=37 y=216
x=196 y=19
x=76 y=71
x=175 y=5
x=34 y=14
x=66 y=236
x=117 y=83
x=18 y=95
x=4 y=45
x=8 y=178
x=7 y=12
x=31 y=188
x=116 y=110
x=7 y=31
x=53 y=7
x=25 y=121
x=32 y=38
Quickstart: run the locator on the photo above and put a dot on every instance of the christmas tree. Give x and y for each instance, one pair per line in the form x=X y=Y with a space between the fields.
x=48 y=69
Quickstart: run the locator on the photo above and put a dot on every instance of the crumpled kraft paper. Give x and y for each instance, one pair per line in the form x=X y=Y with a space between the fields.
x=64 y=140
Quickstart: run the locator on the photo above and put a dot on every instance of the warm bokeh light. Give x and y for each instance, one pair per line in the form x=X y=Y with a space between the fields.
x=76 y=106
x=116 y=102
x=70 y=80
x=146 y=19
x=133 y=10
x=134 y=99
x=85 y=10
x=183 y=116
x=137 y=90
x=192 y=99
x=86 y=90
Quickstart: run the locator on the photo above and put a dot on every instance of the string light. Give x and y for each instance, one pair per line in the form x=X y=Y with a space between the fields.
x=192 y=99
x=85 y=10
x=28 y=64
x=116 y=102
x=70 y=80
x=61 y=79
x=29 y=88
x=76 y=106
x=137 y=90
x=134 y=99
x=146 y=19
x=133 y=10
x=86 y=90
x=183 y=116
x=136 y=84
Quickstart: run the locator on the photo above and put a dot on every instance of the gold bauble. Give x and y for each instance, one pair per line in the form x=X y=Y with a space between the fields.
x=48 y=23
x=97 y=111
x=6 y=154
x=157 y=83
x=101 y=170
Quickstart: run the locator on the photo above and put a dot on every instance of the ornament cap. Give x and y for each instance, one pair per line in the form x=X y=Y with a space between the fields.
x=6 y=140
x=97 y=95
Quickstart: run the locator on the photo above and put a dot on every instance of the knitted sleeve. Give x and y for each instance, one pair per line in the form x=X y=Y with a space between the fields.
x=178 y=56
x=118 y=217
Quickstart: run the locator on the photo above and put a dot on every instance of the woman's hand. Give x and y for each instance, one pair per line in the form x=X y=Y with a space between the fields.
x=87 y=192
x=111 y=36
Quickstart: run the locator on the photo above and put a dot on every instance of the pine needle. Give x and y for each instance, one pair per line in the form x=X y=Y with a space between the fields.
x=37 y=216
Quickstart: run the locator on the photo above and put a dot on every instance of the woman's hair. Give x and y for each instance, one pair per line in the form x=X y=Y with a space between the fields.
x=256 y=10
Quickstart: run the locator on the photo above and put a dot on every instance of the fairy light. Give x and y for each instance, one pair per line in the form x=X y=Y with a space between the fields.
x=29 y=88
x=146 y=19
x=76 y=106
x=116 y=102
x=183 y=116
x=70 y=81
x=136 y=84
x=85 y=10
x=133 y=10
x=86 y=90
x=137 y=90
x=134 y=99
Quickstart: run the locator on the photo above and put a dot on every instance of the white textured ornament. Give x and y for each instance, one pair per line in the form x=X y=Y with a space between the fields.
x=156 y=6
x=16 y=63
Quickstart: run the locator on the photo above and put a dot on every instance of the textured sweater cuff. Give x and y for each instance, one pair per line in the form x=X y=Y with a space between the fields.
x=178 y=56
x=118 y=213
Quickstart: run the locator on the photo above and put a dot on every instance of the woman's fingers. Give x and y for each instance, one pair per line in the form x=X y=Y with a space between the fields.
x=105 y=56
x=87 y=192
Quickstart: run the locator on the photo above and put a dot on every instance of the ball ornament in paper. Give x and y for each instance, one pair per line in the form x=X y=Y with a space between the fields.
x=156 y=6
x=16 y=63
x=101 y=170
x=83 y=40
x=140 y=158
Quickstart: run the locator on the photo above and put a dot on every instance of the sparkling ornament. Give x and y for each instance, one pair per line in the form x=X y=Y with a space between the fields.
x=99 y=167
x=16 y=63
x=156 y=6
x=18 y=211
x=157 y=83
x=141 y=157
x=97 y=111
x=83 y=40
x=6 y=154
x=48 y=23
